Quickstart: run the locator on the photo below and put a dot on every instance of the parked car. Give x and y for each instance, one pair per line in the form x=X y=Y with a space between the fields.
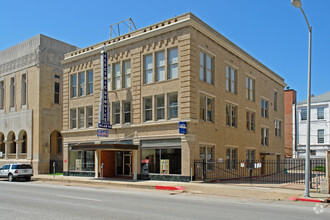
x=14 y=171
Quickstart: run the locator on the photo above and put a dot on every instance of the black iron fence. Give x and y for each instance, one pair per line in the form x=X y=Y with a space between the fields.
x=291 y=171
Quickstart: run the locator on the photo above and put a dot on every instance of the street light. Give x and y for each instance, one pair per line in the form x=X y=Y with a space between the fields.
x=297 y=4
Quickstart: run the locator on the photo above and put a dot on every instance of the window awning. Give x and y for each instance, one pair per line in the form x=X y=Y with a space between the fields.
x=103 y=147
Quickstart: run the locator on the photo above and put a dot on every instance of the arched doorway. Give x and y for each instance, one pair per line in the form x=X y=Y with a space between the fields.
x=56 y=152
x=23 y=141
x=2 y=145
x=12 y=144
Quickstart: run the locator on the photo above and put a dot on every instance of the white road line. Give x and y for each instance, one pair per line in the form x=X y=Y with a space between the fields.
x=72 y=197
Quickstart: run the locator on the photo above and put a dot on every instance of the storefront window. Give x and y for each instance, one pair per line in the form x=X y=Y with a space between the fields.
x=81 y=161
x=163 y=161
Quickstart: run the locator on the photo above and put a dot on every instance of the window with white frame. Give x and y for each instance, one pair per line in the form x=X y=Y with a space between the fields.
x=148 y=69
x=89 y=116
x=173 y=63
x=81 y=117
x=206 y=108
x=81 y=86
x=277 y=128
x=264 y=108
x=172 y=105
x=250 y=88
x=207 y=153
x=250 y=120
x=89 y=84
x=275 y=101
x=206 y=72
x=126 y=112
x=264 y=136
x=231 y=80
x=73 y=118
x=231 y=115
x=116 y=76
x=73 y=85
x=2 y=95
x=12 y=94
x=231 y=158
x=147 y=106
x=320 y=113
x=320 y=136
x=160 y=66
x=116 y=113
x=127 y=73
x=303 y=114
x=23 y=89
x=160 y=107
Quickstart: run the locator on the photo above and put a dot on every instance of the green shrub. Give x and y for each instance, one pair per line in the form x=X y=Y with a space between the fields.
x=319 y=168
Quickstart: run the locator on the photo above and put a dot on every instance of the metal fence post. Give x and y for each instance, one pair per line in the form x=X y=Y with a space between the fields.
x=54 y=165
x=251 y=175
x=204 y=169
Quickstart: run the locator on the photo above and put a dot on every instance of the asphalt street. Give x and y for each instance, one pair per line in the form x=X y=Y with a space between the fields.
x=35 y=200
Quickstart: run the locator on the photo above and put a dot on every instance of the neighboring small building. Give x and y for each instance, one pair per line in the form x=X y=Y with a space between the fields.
x=176 y=73
x=31 y=103
x=290 y=96
x=319 y=128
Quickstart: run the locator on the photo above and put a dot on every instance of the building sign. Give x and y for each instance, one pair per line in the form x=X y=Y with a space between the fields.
x=164 y=166
x=102 y=133
x=145 y=161
x=183 y=127
x=104 y=108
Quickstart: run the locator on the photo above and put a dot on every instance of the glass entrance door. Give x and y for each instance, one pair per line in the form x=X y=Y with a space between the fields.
x=123 y=163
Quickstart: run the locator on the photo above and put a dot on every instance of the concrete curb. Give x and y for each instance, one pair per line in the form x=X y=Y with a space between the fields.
x=310 y=200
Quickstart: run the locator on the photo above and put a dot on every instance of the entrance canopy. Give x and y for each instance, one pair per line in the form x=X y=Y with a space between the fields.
x=103 y=147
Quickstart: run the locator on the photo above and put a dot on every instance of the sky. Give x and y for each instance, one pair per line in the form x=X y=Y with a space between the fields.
x=272 y=31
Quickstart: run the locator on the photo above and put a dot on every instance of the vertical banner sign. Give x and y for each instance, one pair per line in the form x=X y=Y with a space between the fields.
x=104 y=110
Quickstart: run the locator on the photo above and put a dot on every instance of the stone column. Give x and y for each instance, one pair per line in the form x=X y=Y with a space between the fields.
x=136 y=159
x=18 y=147
x=65 y=158
x=97 y=164
x=7 y=143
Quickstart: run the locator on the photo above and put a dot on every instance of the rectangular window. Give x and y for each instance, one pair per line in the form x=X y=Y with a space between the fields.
x=160 y=107
x=116 y=75
x=277 y=128
x=303 y=114
x=127 y=112
x=73 y=85
x=173 y=63
x=275 y=101
x=320 y=113
x=73 y=118
x=81 y=161
x=231 y=80
x=264 y=108
x=12 y=92
x=250 y=88
x=172 y=105
x=207 y=153
x=89 y=116
x=23 y=90
x=2 y=94
x=206 y=108
x=264 y=136
x=81 y=78
x=109 y=78
x=147 y=109
x=89 y=85
x=116 y=113
x=231 y=115
x=250 y=121
x=56 y=92
x=147 y=69
x=250 y=157
x=127 y=73
x=160 y=66
x=231 y=159
x=81 y=117
x=320 y=136
x=206 y=73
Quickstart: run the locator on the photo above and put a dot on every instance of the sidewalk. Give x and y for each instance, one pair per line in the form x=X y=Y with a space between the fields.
x=244 y=191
